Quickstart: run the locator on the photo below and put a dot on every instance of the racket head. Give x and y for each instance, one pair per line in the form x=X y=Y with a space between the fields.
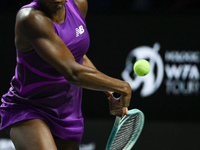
x=126 y=131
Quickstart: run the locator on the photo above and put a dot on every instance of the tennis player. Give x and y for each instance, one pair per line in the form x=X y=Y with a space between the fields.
x=43 y=105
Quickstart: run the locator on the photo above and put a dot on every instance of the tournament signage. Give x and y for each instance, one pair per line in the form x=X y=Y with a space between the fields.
x=182 y=71
x=177 y=70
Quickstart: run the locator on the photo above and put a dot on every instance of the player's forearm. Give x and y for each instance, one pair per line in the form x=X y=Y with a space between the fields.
x=88 y=62
x=93 y=79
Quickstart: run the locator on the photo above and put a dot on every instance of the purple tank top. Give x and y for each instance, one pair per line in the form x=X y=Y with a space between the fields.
x=39 y=91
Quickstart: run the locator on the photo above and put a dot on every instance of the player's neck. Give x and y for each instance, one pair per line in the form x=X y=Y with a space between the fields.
x=58 y=16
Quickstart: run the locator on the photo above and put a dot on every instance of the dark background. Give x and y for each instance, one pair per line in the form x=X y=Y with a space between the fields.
x=120 y=5
x=116 y=27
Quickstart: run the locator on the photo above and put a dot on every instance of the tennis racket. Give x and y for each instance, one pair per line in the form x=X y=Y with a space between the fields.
x=126 y=130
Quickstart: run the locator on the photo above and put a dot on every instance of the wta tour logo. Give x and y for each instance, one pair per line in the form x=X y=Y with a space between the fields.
x=151 y=82
x=180 y=72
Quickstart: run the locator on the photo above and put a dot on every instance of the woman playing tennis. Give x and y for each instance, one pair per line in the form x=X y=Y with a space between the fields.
x=43 y=105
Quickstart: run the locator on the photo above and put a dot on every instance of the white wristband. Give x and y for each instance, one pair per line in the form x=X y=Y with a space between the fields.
x=116 y=98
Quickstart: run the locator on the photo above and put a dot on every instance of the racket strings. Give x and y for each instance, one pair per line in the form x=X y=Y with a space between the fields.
x=127 y=131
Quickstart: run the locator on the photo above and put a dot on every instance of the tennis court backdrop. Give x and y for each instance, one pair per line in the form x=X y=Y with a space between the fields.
x=168 y=96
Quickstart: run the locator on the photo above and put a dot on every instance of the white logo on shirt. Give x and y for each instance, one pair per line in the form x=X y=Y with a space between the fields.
x=80 y=30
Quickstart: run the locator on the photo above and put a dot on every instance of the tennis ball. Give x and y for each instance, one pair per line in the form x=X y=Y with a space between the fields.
x=141 y=67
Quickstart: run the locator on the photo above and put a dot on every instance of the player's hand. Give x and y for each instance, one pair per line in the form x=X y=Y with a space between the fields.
x=116 y=107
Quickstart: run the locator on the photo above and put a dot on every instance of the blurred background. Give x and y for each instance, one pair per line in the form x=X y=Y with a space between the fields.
x=164 y=32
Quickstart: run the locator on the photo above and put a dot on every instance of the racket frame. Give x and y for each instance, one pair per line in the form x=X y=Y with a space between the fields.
x=118 y=124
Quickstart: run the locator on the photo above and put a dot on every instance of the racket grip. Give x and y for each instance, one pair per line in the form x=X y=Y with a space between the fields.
x=116 y=96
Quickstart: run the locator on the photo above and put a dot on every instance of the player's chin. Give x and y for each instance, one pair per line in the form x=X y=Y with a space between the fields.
x=57 y=5
x=56 y=8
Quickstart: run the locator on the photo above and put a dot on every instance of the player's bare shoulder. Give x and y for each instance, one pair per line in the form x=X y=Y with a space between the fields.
x=83 y=6
x=29 y=22
x=30 y=16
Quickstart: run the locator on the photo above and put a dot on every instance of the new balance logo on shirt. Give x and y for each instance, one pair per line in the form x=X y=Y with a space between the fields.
x=80 y=30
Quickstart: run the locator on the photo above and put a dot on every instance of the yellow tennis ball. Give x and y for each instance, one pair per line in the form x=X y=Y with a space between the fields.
x=141 y=67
